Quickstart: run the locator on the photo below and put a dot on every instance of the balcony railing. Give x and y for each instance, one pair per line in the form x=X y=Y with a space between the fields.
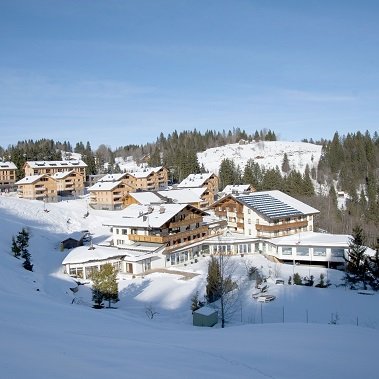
x=280 y=227
x=167 y=238
x=186 y=221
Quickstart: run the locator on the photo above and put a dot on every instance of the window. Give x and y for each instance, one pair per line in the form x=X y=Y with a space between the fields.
x=124 y=232
x=302 y=251
x=249 y=211
x=319 y=252
x=337 y=252
x=286 y=250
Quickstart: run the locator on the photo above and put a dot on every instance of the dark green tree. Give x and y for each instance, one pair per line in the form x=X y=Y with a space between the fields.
x=15 y=248
x=285 y=164
x=356 y=262
x=105 y=285
x=229 y=173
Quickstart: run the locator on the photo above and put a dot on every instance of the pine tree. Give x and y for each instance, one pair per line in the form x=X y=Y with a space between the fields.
x=229 y=173
x=356 y=263
x=23 y=243
x=15 y=248
x=285 y=164
x=307 y=188
x=20 y=248
x=105 y=285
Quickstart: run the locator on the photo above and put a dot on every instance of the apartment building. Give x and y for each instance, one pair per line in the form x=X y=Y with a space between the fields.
x=205 y=180
x=111 y=191
x=150 y=179
x=108 y=195
x=52 y=167
x=38 y=187
x=69 y=183
x=7 y=176
x=266 y=214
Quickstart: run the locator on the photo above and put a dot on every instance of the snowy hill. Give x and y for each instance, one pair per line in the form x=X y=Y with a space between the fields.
x=49 y=332
x=267 y=153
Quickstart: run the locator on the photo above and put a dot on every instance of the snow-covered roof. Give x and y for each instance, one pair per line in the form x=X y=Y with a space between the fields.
x=145 y=172
x=147 y=216
x=30 y=179
x=146 y=197
x=7 y=166
x=62 y=175
x=83 y=254
x=205 y=311
x=112 y=177
x=56 y=164
x=236 y=188
x=104 y=186
x=275 y=204
x=184 y=195
x=313 y=239
x=195 y=180
x=142 y=216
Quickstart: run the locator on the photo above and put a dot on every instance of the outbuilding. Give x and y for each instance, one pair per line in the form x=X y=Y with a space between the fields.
x=205 y=316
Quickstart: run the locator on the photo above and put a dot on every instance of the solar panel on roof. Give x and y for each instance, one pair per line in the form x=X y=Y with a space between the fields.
x=269 y=206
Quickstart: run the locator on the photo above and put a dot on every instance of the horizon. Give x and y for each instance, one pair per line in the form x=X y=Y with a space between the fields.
x=120 y=73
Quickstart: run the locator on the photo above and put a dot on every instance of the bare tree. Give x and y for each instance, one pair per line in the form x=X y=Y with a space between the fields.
x=222 y=286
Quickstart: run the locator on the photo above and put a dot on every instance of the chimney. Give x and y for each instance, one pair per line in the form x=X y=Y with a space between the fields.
x=162 y=209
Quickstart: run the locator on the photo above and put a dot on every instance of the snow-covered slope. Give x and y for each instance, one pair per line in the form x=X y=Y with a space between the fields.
x=45 y=335
x=267 y=153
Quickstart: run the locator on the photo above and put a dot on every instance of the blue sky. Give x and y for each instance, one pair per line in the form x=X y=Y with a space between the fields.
x=120 y=72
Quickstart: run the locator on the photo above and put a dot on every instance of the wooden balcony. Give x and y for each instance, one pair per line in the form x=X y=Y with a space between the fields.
x=280 y=227
x=167 y=238
x=187 y=221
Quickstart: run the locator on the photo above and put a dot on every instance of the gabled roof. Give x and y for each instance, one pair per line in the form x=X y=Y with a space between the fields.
x=145 y=172
x=178 y=196
x=184 y=195
x=275 y=204
x=146 y=197
x=7 y=166
x=195 y=180
x=56 y=164
x=104 y=186
x=64 y=174
x=142 y=216
x=272 y=204
x=31 y=179
x=112 y=177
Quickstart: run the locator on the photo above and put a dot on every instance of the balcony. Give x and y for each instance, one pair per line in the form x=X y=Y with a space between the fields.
x=281 y=226
x=186 y=221
x=168 y=238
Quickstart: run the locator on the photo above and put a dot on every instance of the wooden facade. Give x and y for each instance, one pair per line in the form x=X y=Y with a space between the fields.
x=53 y=167
x=7 y=176
x=70 y=183
x=37 y=187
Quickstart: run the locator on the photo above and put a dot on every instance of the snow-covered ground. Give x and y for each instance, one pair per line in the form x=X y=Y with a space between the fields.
x=267 y=153
x=44 y=334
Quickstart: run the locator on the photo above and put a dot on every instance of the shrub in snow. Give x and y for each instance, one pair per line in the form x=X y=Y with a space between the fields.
x=297 y=279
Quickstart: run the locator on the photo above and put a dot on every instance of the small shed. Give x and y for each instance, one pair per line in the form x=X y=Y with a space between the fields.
x=75 y=240
x=205 y=316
